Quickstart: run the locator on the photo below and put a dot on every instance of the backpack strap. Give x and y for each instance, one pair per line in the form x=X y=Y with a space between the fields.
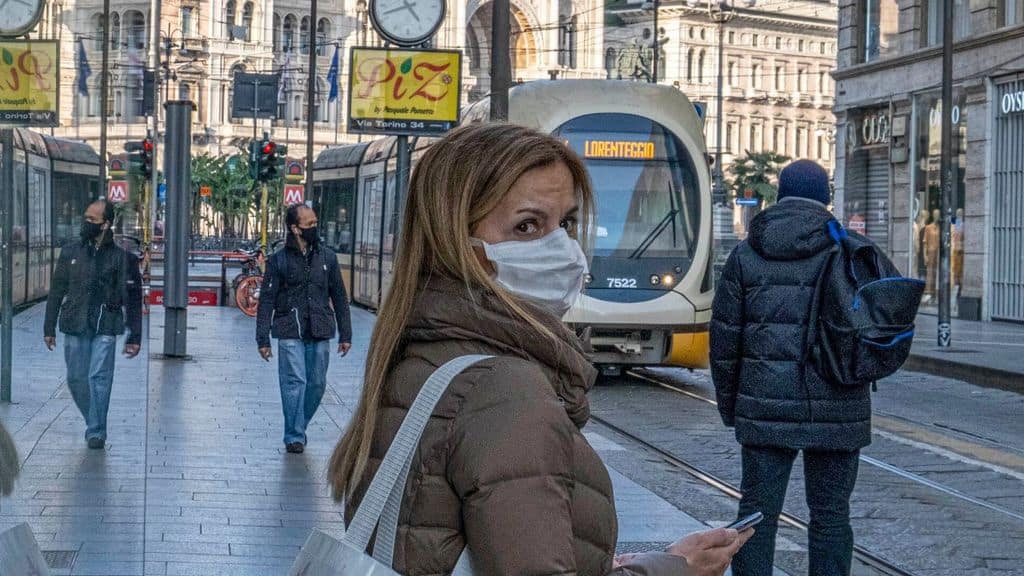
x=389 y=482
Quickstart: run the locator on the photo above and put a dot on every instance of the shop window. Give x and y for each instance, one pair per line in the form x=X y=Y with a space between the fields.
x=927 y=193
x=933 y=13
x=866 y=197
x=881 y=27
x=1013 y=12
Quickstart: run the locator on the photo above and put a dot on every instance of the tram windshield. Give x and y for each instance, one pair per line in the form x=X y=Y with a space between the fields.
x=645 y=185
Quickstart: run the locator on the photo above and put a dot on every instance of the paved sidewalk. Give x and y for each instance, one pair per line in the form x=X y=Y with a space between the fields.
x=195 y=479
x=987 y=354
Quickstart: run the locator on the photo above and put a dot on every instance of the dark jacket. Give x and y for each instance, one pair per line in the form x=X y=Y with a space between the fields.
x=502 y=464
x=758 y=338
x=95 y=291
x=298 y=293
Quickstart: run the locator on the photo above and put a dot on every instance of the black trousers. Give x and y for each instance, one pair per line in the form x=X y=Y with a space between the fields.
x=828 y=481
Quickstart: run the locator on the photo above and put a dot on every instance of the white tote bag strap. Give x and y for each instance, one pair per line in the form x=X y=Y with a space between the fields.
x=394 y=470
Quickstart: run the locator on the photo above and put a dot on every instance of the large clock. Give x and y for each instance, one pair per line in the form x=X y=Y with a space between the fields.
x=405 y=22
x=18 y=17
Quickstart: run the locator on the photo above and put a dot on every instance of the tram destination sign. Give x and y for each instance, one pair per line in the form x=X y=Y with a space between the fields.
x=29 y=83
x=404 y=91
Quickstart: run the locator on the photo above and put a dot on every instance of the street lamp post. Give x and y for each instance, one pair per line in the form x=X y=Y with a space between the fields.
x=721 y=12
x=655 y=6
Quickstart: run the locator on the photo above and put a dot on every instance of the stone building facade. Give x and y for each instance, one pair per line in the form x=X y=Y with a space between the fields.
x=889 y=115
x=211 y=39
x=778 y=59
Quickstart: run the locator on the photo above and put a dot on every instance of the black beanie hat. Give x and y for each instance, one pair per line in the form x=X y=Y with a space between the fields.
x=804 y=179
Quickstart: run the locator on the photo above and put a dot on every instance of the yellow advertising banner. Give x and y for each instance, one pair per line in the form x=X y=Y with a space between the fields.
x=404 y=91
x=29 y=83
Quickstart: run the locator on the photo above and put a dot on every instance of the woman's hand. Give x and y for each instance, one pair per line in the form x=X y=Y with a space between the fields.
x=710 y=553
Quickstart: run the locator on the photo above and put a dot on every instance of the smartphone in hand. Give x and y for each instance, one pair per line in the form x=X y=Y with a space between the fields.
x=748 y=522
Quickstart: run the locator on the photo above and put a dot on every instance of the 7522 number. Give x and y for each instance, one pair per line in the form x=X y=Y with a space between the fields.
x=622 y=282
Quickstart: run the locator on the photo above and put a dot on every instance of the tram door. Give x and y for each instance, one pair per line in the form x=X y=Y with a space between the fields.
x=368 y=246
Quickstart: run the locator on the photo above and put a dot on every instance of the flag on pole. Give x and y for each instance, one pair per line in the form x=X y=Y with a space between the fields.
x=332 y=77
x=285 y=74
x=84 y=71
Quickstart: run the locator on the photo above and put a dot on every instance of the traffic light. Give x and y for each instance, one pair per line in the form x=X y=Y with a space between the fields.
x=140 y=156
x=269 y=157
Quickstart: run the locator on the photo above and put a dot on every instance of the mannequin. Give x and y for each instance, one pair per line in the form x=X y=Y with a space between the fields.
x=919 y=269
x=957 y=263
x=931 y=254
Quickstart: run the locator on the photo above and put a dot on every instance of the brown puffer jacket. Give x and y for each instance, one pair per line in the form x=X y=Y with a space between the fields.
x=502 y=464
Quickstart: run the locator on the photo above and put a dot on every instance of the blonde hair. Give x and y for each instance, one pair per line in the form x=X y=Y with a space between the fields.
x=460 y=179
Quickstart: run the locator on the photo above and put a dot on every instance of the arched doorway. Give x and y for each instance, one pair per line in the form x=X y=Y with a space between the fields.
x=524 y=46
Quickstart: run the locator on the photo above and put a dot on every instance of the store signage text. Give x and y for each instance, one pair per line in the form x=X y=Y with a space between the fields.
x=1013 y=103
x=873 y=130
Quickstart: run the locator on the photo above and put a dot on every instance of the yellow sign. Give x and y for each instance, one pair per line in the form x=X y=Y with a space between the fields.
x=29 y=83
x=404 y=91
x=618 y=149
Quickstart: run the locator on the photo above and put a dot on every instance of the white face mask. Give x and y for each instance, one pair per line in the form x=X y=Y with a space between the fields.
x=548 y=271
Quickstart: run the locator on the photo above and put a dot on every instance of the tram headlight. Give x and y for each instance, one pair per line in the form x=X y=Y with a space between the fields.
x=668 y=280
x=588 y=278
x=655 y=279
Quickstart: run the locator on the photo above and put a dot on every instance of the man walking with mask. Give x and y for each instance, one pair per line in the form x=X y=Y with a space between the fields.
x=97 y=294
x=301 y=286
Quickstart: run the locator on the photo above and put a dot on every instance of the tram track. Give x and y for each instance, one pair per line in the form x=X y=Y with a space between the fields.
x=870 y=559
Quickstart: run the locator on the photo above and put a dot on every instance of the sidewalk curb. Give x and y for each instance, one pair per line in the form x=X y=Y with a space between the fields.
x=983 y=376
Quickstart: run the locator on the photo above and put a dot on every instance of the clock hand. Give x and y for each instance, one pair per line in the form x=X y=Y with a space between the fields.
x=393 y=10
x=410 y=6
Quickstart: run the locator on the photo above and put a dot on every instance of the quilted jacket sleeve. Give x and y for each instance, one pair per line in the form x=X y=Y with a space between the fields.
x=727 y=319
x=511 y=465
x=268 y=300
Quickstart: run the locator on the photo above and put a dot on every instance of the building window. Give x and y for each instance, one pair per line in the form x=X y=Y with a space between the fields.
x=755 y=40
x=567 y=43
x=229 y=19
x=730 y=135
x=689 y=65
x=779 y=140
x=97 y=31
x=755 y=76
x=247 y=21
x=933 y=14
x=186 y=21
x=801 y=80
x=277 y=33
x=780 y=78
x=323 y=28
x=700 y=67
x=136 y=30
x=734 y=77
x=1013 y=12
x=115 y=31
x=304 y=36
x=823 y=82
x=778 y=42
x=288 y=37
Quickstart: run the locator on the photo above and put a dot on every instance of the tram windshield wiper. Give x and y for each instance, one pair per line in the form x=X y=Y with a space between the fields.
x=669 y=218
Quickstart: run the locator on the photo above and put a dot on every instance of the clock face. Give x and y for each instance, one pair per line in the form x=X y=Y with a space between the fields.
x=406 y=22
x=19 y=16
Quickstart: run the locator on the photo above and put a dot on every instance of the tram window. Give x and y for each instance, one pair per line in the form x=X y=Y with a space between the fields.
x=645 y=184
x=20 y=216
x=38 y=202
x=335 y=214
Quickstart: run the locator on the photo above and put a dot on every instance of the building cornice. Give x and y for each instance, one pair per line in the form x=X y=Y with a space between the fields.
x=925 y=54
x=823 y=25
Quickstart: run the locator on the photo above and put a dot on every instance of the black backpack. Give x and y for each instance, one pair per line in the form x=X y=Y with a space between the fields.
x=862 y=314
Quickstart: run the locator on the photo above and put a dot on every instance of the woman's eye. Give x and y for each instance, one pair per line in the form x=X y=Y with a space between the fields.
x=527 y=227
x=571 y=225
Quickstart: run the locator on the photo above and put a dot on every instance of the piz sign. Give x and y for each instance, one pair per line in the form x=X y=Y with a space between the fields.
x=29 y=83
x=404 y=91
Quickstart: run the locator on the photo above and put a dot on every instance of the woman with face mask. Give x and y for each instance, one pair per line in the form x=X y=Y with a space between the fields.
x=488 y=263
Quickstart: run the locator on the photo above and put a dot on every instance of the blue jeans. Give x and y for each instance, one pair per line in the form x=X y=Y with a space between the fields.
x=90 y=362
x=828 y=482
x=302 y=370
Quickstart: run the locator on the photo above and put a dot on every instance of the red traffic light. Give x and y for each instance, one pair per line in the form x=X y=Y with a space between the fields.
x=269 y=147
x=147 y=145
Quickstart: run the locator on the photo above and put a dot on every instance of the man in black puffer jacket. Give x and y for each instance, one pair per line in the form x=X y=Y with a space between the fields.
x=97 y=293
x=302 y=300
x=769 y=392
